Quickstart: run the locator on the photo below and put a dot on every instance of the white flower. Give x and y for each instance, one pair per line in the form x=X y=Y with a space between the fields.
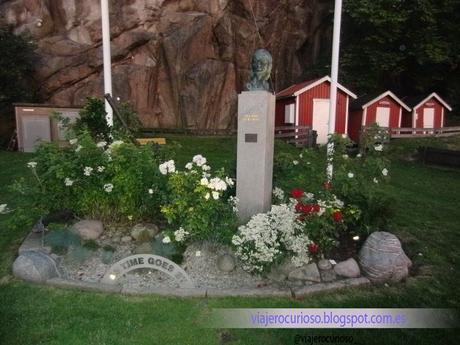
x=229 y=181
x=179 y=235
x=108 y=187
x=359 y=155
x=68 y=182
x=101 y=144
x=233 y=201
x=87 y=171
x=198 y=253
x=351 y=175
x=310 y=196
x=150 y=191
x=199 y=160
x=32 y=165
x=167 y=167
x=207 y=196
x=206 y=167
x=204 y=182
x=378 y=147
x=217 y=184
x=115 y=144
x=301 y=155
x=295 y=162
x=166 y=239
x=375 y=180
x=278 y=193
x=100 y=168
x=130 y=217
x=385 y=172
x=215 y=195
x=73 y=141
x=345 y=156
x=308 y=163
x=3 y=208
x=189 y=166
x=79 y=147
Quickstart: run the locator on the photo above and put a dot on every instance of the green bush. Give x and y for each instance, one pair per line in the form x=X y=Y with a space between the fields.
x=119 y=182
x=199 y=206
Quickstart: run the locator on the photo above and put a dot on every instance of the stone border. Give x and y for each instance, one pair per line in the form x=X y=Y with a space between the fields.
x=32 y=242
x=212 y=292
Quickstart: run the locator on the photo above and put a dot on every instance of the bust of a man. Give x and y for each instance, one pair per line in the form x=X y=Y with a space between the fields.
x=261 y=68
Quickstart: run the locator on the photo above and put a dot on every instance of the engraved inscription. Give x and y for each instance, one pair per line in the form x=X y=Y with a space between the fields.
x=250 y=117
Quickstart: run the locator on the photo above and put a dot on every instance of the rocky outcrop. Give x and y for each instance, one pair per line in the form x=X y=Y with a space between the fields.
x=180 y=62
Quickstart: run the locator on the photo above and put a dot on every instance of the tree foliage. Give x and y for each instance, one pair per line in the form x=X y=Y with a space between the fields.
x=408 y=46
x=17 y=60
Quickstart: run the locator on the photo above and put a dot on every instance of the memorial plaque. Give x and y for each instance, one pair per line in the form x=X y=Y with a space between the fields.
x=250 y=137
x=155 y=262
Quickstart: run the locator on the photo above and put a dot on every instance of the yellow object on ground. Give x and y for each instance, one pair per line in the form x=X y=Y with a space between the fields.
x=144 y=141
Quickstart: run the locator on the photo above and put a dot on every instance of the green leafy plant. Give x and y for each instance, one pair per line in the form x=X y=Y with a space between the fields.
x=199 y=206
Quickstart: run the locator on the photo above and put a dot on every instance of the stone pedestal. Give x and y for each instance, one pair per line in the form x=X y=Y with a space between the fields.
x=254 y=169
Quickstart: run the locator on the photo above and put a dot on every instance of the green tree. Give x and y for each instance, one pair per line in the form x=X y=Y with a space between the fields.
x=410 y=46
x=17 y=60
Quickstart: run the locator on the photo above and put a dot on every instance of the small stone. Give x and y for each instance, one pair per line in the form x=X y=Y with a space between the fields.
x=348 y=268
x=226 y=263
x=143 y=248
x=126 y=239
x=35 y=266
x=324 y=264
x=309 y=272
x=328 y=275
x=144 y=232
x=88 y=229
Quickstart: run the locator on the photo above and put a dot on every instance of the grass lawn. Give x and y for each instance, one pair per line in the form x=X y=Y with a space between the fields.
x=428 y=200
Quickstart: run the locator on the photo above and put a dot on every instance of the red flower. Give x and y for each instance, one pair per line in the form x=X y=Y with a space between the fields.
x=313 y=248
x=297 y=193
x=327 y=185
x=316 y=208
x=299 y=207
x=338 y=216
x=307 y=208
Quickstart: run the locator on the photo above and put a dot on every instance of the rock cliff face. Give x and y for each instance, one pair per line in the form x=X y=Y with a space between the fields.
x=180 y=62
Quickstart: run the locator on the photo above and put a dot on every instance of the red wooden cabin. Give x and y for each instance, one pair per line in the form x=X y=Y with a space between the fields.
x=307 y=104
x=385 y=109
x=427 y=112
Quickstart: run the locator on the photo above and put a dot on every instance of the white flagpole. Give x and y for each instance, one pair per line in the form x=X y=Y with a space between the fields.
x=334 y=77
x=107 y=60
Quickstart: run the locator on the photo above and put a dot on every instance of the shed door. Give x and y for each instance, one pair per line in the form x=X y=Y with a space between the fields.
x=321 y=119
x=428 y=118
x=382 y=117
x=35 y=129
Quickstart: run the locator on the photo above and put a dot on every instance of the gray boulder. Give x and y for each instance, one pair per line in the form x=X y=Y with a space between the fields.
x=35 y=266
x=348 y=268
x=383 y=259
x=144 y=232
x=88 y=229
x=309 y=272
x=226 y=263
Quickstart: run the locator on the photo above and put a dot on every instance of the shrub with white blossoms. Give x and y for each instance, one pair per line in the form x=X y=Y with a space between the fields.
x=268 y=237
x=199 y=201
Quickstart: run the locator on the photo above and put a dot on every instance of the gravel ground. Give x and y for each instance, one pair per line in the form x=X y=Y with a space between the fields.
x=200 y=262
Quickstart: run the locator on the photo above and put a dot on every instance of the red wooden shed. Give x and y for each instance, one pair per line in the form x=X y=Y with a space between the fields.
x=385 y=109
x=427 y=112
x=307 y=104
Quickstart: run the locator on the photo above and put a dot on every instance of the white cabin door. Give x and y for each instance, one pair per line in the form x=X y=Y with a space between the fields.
x=428 y=118
x=321 y=119
x=382 y=117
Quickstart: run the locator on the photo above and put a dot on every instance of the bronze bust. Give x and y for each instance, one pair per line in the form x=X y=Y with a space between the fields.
x=261 y=68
